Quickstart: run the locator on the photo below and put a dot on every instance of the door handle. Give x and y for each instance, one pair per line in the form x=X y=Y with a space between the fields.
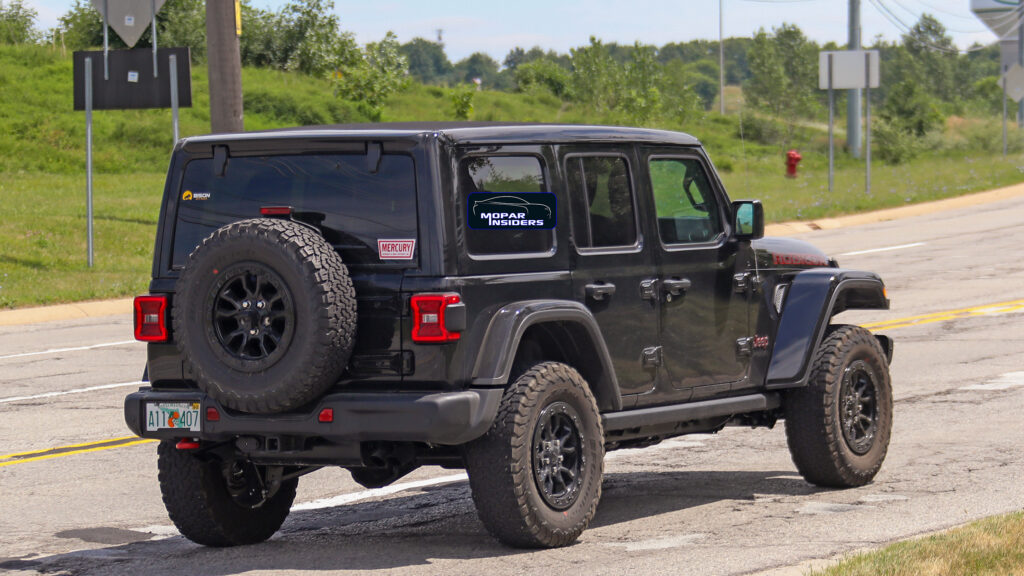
x=675 y=286
x=600 y=291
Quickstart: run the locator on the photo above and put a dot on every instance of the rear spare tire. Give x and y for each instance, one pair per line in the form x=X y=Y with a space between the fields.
x=264 y=315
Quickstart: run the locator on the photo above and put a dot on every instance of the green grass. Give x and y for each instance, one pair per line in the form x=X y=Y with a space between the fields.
x=43 y=237
x=993 y=546
x=42 y=164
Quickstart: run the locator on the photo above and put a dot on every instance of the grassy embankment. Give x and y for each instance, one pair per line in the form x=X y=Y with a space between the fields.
x=42 y=161
x=990 y=547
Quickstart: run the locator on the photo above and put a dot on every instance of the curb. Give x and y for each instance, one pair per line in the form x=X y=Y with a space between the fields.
x=72 y=311
x=884 y=215
x=101 y=308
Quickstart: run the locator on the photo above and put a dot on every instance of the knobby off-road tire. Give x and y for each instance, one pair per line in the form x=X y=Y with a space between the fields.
x=838 y=427
x=197 y=499
x=265 y=315
x=519 y=497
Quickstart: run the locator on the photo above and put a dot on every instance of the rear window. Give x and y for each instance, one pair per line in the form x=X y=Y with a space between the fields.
x=354 y=207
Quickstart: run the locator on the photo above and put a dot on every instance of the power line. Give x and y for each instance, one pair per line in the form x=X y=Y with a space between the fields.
x=918 y=17
x=896 y=21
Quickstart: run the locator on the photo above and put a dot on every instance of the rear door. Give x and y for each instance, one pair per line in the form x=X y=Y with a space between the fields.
x=614 y=272
x=368 y=215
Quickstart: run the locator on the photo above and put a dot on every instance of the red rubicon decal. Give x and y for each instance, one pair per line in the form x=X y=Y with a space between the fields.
x=799 y=260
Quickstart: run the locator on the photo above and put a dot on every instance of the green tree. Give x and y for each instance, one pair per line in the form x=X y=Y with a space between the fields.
x=595 y=76
x=680 y=98
x=783 y=74
x=17 y=23
x=427 y=61
x=477 y=65
x=932 y=57
x=543 y=74
x=378 y=72
x=314 y=43
x=641 y=97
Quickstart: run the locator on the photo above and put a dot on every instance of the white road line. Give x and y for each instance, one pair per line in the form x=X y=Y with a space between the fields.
x=75 y=391
x=75 y=349
x=886 y=249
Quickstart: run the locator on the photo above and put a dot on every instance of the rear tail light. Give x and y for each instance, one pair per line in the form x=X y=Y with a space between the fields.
x=151 y=318
x=437 y=317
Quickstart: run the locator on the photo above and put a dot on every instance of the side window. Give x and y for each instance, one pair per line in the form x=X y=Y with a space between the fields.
x=602 y=196
x=688 y=212
x=509 y=175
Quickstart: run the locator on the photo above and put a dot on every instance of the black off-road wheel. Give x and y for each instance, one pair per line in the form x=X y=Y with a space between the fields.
x=216 y=503
x=838 y=427
x=265 y=315
x=536 y=474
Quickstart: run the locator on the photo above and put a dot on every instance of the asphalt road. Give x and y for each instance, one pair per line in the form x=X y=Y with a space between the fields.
x=730 y=503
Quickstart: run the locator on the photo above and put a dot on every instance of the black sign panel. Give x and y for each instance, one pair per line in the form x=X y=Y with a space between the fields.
x=511 y=211
x=131 y=84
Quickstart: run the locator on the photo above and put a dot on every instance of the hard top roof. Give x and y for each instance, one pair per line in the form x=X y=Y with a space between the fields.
x=469 y=133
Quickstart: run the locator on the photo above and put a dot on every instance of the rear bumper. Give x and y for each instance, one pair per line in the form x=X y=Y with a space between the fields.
x=447 y=418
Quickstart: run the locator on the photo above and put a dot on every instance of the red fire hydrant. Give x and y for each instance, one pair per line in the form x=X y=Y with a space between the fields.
x=792 y=159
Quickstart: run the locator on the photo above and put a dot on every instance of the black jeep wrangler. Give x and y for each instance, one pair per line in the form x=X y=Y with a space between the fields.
x=515 y=300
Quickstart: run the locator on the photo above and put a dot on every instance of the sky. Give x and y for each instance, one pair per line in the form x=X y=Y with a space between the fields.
x=495 y=27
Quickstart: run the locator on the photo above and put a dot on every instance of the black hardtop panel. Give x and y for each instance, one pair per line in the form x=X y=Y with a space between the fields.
x=459 y=133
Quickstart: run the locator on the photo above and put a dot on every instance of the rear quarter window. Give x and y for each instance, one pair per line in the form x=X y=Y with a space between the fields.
x=352 y=206
x=507 y=175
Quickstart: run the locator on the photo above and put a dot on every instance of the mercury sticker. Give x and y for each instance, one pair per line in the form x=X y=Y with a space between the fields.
x=396 y=249
x=503 y=211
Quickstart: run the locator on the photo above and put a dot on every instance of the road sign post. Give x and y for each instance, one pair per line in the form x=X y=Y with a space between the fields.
x=847 y=70
x=88 y=157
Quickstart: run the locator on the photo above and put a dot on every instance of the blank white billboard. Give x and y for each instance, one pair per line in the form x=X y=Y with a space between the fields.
x=848 y=69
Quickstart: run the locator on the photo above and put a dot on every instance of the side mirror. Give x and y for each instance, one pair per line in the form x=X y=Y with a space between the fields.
x=748 y=219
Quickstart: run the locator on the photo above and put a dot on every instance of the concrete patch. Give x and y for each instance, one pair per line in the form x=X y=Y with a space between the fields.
x=1004 y=382
x=663 y=543
x=814 y=508
x=883 y=498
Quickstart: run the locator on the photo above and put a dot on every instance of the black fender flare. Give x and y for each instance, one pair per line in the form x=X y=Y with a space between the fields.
x=498 y=349
x=813 y=297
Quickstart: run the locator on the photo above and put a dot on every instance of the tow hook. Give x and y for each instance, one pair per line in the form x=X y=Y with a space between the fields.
x=187 y=444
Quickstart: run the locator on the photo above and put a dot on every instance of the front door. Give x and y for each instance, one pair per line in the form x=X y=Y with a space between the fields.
x=704 y=306
x=613 y=261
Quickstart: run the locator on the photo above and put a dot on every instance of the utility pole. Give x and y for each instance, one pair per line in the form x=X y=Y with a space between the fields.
x=721 y=60
x=1020 y=61
x=224 y=67
x=853 y=96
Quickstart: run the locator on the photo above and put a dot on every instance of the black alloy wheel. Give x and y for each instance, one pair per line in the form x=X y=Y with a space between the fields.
x=838 y=426
x=253 y=314
x=859 y=409
x=558 y=461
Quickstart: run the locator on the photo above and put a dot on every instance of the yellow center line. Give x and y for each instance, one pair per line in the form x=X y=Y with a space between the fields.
x=982 y=310
x=81 y=449
x=82 y=445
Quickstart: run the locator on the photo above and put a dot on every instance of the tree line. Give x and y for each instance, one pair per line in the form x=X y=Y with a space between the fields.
x=924 y=77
